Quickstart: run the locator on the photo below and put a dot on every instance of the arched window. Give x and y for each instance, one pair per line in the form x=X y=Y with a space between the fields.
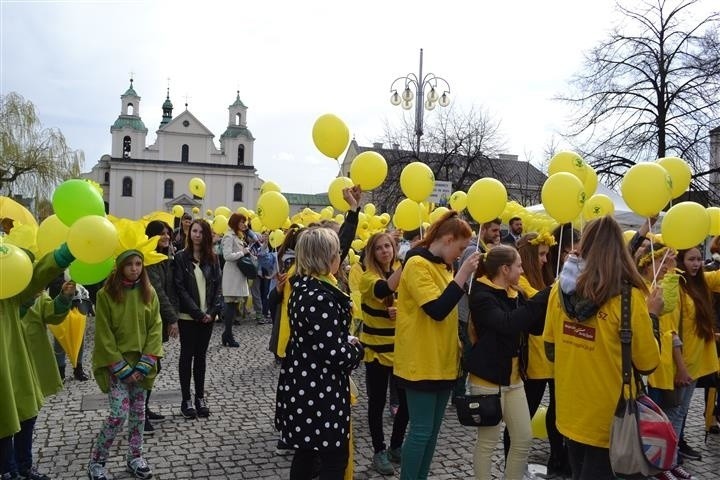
x=238 y=119
x=169 y=189
x=241 y=154
x=131 y=109
x=127 y=187
x=107 y=178
x=185 y=155
x=237 y=192
x=127 y=145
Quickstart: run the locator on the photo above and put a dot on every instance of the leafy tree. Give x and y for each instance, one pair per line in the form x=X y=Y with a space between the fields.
x=33 y=159
x=652 y=89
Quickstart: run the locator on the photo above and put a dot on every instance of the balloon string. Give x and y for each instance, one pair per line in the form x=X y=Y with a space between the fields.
x=557 y=267
x=477 y=249
x=652 y=250
x=654 y=282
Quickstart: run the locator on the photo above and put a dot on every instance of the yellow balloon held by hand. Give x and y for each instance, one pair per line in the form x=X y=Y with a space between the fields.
x=269 y=187
x=92 y=239
x=368 y=170
x=679 y=172
x=273 y=209
x=51 y=233
x=714 y=216
x=563 y=196
x=197 y=187
x=220 y=224
x=178 y=211
x=486 y=199
x=597 y=206
x=330 y=135
x=458 y=201
x=407 y=215
x=569 y=162
x=685 y=225
x=335 y=193
x=417 y=181
x=646 y=188
x=16 y=269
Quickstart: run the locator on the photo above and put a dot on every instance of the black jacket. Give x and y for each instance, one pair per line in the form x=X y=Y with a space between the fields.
x=502 y=325
x=187 y=289
x=161 y=278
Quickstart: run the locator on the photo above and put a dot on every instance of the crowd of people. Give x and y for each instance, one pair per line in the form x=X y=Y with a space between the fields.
x=432 y=315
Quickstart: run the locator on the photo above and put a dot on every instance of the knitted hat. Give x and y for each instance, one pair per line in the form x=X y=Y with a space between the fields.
x=126 y=254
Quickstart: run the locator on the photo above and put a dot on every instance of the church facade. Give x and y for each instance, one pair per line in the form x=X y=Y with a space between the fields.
x=138 y=178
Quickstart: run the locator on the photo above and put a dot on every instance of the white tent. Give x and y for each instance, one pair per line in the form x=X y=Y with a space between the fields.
x=627 y=219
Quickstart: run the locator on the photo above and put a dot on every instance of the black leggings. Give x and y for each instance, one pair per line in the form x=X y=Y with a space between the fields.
x=332 y=464
x=194 y=341
x=376 y=381
x=588 y=462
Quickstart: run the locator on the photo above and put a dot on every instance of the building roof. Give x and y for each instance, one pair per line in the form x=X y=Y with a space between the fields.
x=130 y=92
x=238 y=102
x=129 y=121
x=307 y=199
x=174 y=163
x=234 y=131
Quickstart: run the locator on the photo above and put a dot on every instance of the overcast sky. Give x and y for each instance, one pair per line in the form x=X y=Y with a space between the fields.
x=293 y=61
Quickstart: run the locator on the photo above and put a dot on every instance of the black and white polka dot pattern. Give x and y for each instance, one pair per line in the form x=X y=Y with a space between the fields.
x=313 y=395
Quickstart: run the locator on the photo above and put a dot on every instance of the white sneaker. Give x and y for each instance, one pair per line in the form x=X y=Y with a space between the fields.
x=139 y=467
x=96 y=471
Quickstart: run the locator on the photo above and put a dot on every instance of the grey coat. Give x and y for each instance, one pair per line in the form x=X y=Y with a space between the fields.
x=234 y=283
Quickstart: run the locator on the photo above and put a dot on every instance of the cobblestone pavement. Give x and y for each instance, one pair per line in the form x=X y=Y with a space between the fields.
x=238 y=440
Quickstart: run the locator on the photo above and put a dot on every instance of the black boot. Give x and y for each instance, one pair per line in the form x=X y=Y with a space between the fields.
x=79 y=374
x=228 y=340
x=61 y=369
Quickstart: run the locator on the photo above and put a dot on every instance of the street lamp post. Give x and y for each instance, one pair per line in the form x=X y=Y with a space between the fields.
x=430 y=83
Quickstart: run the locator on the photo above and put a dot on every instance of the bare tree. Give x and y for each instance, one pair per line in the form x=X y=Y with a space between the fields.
x=652 y=89
x=33 y=159
x=459 y=146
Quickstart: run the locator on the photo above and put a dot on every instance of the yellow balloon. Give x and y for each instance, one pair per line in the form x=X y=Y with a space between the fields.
x=335 y=193
x=276 y=238
x=272 y=209
x=407 y=215
x=357 y=244
x=376 y=223
x=51 y=233
x=330 y=135
x=597 y=206
x=353 y=258
x=563 y=196
x=384 y=219
x=220 y=224
x=92 y=239
x=224 y=211
x=539 y=427
x=458 y=201
x=714 y=216
x=368 y=170
x=628 y=236
x=256 y=224
x=197 y=187
x=646 y=188
x=569 y=162
x=178 y=211
x=17 y=271
x=195 y=210
x=369 y=209
x=339 y=218
x=269 y=187
x=679 y=172
x=417 y=181
x=685 y=225
x=486 y=199
x=437 y=213
x=243 y=211
x=591 y=181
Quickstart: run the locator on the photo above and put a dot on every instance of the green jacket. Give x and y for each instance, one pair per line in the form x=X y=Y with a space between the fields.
x=124 y=332
x=20 y=392
x=44 y=311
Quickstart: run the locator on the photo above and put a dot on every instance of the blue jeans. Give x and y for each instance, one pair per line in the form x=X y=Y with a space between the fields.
x=426 y=411
x=16 y=450
x=677 y=415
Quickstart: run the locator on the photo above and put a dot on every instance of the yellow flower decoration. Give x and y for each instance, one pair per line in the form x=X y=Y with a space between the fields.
x=543 y=238
x=132 y=237
x=648 y=257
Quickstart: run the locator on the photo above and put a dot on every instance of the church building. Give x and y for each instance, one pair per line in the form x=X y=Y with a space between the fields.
x=138 y=178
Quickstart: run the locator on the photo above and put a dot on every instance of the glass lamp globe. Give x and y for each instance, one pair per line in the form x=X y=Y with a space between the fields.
x=407 y=94
x=407 y=104
x=395 y=98
x=429 y=105
x=432 y=95
x=444 y=100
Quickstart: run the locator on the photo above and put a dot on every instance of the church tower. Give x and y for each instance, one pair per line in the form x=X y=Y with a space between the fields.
x=128 y=131
x=237 y=141
x=167 y=109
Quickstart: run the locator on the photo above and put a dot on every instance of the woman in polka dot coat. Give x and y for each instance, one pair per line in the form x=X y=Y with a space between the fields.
x=313 y=396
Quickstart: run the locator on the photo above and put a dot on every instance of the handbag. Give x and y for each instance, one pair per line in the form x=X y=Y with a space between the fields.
x=642 y=439
x=248 y=266
x=478 y=410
